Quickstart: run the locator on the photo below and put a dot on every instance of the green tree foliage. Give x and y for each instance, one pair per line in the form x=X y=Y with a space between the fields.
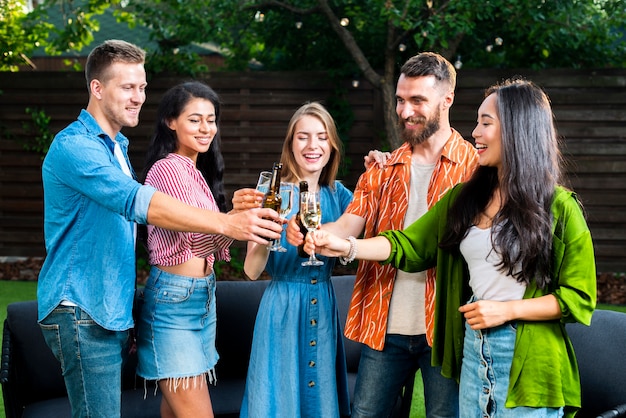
x=40 y=137
x=485 y=33
x=368 y=38
x=23 y=31
x=19 y=35
x=372 y=38
x=176 y=25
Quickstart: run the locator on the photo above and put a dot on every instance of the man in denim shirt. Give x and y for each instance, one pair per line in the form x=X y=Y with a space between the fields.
x=92 y=203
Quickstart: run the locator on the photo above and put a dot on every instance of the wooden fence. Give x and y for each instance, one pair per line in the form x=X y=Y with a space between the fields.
x=589 y=105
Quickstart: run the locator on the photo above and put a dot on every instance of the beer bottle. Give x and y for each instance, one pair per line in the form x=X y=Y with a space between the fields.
x=272 y=198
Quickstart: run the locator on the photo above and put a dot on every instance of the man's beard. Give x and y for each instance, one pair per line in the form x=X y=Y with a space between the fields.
x=415 y=137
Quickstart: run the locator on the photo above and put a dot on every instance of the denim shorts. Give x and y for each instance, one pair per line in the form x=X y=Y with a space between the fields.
x=176 y=327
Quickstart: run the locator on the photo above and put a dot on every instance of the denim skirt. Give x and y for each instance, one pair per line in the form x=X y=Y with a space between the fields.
x=487 y=357
x=176 y=327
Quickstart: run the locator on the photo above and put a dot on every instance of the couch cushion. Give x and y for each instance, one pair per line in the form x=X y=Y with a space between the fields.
x=237 y=303
x=50 y=408
x=601 y=352
x=227 y=395
x=343 y=286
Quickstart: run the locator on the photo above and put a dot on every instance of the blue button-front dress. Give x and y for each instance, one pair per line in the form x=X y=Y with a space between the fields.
x=297 y=365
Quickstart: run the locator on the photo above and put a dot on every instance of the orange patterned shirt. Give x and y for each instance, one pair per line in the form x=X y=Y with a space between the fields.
x=381 y=198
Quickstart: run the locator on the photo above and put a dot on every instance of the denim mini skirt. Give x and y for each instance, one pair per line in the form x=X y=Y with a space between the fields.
x=176 y=327
x=485 y=371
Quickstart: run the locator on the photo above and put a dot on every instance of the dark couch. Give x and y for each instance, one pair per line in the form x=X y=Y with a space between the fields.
x=32 y=385
x=601 y=353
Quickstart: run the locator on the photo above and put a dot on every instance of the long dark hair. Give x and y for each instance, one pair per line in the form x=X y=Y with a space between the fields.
x=164 y=141
x=530 y=171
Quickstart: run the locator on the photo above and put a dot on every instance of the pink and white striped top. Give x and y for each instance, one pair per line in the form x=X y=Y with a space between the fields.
x=178 y=177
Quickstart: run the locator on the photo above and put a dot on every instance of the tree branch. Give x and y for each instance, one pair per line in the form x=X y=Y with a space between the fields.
x=349 y=42
x=426 y=13
x=442 y=7
x=28 y=61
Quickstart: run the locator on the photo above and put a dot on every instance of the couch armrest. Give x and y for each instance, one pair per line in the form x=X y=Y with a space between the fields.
x=618 y=411
x=237 y=305
x=9 y=392
x=6 y=354
x=34 y=372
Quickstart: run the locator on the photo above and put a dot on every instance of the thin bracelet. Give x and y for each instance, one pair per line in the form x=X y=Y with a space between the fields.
x=351 y=254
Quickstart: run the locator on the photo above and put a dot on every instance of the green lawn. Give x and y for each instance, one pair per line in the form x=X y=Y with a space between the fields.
x=12 y=291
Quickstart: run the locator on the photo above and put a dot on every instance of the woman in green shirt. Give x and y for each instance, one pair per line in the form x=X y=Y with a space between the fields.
x=514 y=260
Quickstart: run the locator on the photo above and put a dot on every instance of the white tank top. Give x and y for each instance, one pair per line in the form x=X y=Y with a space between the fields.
x=486 y=280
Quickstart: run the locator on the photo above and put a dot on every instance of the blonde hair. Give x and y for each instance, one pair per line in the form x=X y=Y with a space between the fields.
x=291 y=170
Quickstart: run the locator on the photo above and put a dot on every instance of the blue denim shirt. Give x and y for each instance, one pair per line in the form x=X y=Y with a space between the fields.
x=90 y=207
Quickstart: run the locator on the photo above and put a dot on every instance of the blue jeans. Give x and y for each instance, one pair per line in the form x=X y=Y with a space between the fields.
x=91 y=360
x=383 y=373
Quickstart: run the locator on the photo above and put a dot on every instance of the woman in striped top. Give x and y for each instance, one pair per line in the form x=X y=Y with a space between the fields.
x=176 y=326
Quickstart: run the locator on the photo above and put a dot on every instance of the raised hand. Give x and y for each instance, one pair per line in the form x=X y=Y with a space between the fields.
x=257 y=225
x=326 y=243
x=247 y=198
x=292 y=232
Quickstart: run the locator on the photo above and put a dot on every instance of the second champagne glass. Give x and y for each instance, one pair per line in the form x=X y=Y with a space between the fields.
x=263 y=184
x=286 y=194
x=311 y=216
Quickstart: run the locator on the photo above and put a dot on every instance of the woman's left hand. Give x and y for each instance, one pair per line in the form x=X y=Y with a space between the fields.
x=484 y=314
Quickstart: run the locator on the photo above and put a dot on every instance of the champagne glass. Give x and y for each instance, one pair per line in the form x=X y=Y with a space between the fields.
x=263 y=184
x=286 y=194
x=311 y=216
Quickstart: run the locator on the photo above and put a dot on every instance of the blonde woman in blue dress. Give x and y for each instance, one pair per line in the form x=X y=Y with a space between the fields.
x=297 y=366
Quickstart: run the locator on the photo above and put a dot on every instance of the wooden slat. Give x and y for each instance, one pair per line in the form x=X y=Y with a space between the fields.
x=605 y=216
x=609 y=234
x=23 y=206
x=597 y=165
x=609 y=251
x=603 y=182
x=30 y=237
